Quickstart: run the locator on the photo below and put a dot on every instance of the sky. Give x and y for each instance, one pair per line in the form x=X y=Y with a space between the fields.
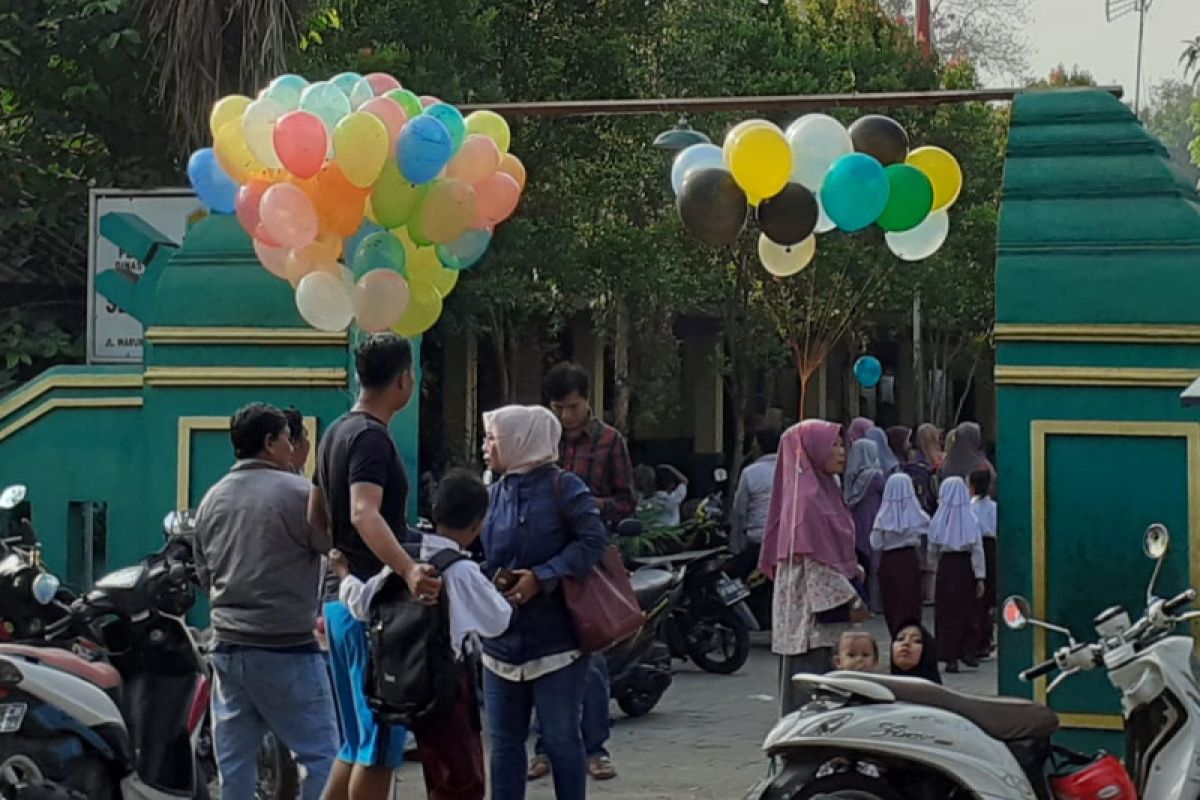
x=1076 y=32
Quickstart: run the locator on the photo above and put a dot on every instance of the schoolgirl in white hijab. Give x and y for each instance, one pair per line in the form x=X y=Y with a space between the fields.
x=896 y=536
x=956 y=540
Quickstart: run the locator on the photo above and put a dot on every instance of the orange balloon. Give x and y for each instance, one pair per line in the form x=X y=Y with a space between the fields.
x=511 y=165
x=339 y=203
x=320 y=256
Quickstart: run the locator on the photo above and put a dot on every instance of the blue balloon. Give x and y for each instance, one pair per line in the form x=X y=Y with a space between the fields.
x=216 y=190
x=286 y=90
x=855 y=191
x=465 y=251
x=452 y=118
x=346 y=81
x=424 y=149
x=350 y=245
x=696 y=157
x=868 y=371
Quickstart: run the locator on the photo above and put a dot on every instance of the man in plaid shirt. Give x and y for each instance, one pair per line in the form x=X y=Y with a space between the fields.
x=595 y=452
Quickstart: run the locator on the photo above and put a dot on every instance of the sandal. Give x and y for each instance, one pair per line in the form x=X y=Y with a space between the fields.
x=538 y=768
x=601 y=768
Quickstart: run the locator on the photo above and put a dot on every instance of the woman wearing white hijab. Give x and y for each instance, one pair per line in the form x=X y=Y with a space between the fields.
x=543 y=526
x=896 y=536
x=956 y=541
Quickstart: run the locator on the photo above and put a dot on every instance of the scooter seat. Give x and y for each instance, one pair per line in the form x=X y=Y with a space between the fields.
x=97 y=672
x=1007 y=719
x=651 y=586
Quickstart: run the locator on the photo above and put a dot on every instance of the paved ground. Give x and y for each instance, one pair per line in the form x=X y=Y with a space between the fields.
x=702 y=741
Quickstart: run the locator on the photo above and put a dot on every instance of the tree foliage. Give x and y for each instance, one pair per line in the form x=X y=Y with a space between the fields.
x=1168 y=116
x=986 y=33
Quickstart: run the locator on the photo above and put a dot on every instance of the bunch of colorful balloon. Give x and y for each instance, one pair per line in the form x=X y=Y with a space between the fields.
x=367 y=198
x=813 y=178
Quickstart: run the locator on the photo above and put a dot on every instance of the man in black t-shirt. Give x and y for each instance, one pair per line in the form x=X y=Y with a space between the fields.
x=360 y=496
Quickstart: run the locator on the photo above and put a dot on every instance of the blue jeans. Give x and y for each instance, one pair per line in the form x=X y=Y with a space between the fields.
x=286 y=693
x=597 y=723
x=558 y=699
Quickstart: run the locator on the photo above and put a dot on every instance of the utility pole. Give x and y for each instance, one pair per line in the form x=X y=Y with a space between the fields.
x=924 y=34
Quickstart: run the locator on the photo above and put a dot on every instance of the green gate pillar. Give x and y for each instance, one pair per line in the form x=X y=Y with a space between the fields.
x=1098 y=330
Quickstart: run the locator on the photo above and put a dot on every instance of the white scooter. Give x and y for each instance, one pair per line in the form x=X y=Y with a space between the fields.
x=881 y=737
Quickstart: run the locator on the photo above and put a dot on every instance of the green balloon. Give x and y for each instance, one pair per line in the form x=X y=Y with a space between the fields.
x=408 y=101
x=909 y=201
x=393 y=199
x=417 y=233
x=379 y=251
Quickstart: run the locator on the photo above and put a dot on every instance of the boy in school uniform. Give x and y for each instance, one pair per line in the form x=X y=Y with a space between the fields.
x=984 y=508
x=450 y=747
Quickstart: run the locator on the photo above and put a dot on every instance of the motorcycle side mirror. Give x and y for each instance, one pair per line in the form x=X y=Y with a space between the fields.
x=1157 y=542
x=45 y=588
x=1016 y=612
x=629 y=528
x=170 y=524
x=12 y=497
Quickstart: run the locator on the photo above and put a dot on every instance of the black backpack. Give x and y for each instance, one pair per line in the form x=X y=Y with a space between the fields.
x=413 y=675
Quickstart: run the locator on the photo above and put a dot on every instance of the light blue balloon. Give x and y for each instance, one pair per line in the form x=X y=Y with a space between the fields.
x=345 y=82
x=361 y=92
x=286 y=90
x=216 y=190
x=352 y=242
x=855 y=191
x=868 y=371
x=452 y=118
x=465 y=251
x=327 y=102
x=424 y=149
x=696 y=157
x=380 y=250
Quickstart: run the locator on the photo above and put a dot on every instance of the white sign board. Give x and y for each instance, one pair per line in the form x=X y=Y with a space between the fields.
x=114 y=336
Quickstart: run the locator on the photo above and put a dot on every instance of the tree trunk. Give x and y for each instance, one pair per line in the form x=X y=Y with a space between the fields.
x=970 y=385
x=500 y=351
x=621 y=367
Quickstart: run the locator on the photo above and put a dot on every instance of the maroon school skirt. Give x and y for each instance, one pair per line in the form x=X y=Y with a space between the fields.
x=900 y=584
x=955 y=615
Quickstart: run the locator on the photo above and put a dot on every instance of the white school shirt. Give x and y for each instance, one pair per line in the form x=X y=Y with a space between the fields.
x=476 y=605
x=984 y=509
x=886 y=541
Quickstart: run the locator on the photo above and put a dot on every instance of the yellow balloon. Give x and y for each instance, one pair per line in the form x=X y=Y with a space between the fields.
x=785 y=260
x=491 y=125
x=234 y=155
x=423 y=264
x=424 y=308
x=943 y=171
x=227 y=108
x=739 y=129
x=760 y=160
x=360 y=147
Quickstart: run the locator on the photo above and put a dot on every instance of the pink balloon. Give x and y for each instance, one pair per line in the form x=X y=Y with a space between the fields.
x=246 y=204
x=478 y=158
x=382 y=83
x=496 y=198
x=261 y=235
x=428 y=100
x=301 y=143
x=288 y=216
x=274 y=259
x=380 y=300
x=389 y=112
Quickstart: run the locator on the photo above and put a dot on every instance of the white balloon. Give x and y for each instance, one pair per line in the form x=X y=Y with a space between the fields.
x=785 y=260
x=817 y=140
x=922 y=241
x=824 y=223
x=258 y=128
x=324 y=302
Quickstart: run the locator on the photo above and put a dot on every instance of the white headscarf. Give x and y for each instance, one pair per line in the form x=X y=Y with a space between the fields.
x=526 y=437
x=900 y=510
x=954 y=526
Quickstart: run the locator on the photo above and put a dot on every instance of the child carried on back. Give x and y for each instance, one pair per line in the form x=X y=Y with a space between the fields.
x=450 y=746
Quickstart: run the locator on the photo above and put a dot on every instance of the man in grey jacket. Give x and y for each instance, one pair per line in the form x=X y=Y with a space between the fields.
x=260 y=561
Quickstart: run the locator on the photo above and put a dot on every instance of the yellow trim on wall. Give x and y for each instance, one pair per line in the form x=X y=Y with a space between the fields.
x=1095 y=376
x=189 y=425
x=261 y=336
x=246 y=376
x=1105 y=334
x=68 y=402
x=1040 y=430
x=32 y=391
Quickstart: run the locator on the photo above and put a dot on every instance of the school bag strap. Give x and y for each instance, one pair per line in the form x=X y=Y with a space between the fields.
x=444 y=558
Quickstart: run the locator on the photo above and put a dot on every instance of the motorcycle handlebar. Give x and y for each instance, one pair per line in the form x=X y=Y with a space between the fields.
x=1179 y=601
x=1038 y=670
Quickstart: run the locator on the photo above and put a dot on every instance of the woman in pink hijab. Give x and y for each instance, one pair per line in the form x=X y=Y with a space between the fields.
x=808 y=550
x=857 y=429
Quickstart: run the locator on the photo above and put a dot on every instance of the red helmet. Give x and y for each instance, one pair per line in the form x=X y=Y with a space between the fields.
x=1103 y=779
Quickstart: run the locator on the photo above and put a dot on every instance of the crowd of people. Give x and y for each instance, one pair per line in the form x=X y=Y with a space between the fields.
x=851 y=521
x=265 y=535
x=842 y=521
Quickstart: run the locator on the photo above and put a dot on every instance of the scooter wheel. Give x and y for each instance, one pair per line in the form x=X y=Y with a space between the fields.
x=849 y=786
x=724 y=646
x=638 y=704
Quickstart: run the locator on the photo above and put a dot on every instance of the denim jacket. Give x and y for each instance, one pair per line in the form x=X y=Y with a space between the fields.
x=555 y=531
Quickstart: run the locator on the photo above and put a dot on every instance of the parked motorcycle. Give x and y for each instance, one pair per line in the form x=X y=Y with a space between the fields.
x=710 y=624
x=876 y=737
x=73 y=728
